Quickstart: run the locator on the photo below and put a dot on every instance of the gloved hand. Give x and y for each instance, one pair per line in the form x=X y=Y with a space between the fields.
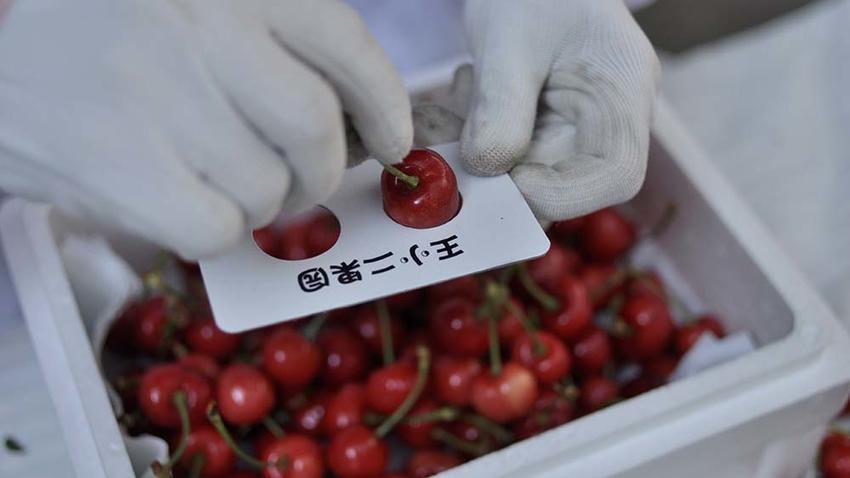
x=562 y=96
x=187 y=121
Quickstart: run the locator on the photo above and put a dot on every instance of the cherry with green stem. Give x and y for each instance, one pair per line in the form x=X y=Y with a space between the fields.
x=180 y=403
x=423 y=364
x=546 y=300
x=217 y=422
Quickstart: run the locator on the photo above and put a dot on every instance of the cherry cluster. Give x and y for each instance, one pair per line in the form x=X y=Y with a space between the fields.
x=410 y=385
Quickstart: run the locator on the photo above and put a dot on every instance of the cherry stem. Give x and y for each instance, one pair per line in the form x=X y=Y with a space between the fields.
x=613 y=282
x=273 y=426
x=536 y=344
x=198 y=462
x=215 y=419
x=567 y=389
x=614 y=305
x=311 y=330
x=506 y=275
x=179 y=350
x=501 y=434
x=423 y=363
x=546 y=300
x=411 y=181
x=495 y=353
x=620 y=329
x=470 y=448
x=444 y=414
x=386 y=332
x=180 y=403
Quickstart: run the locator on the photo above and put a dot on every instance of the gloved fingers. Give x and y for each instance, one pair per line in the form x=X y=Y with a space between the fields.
x=293 y=108
x=593 y=133
x=232 y=158
x=332 y=38
x=503 y=106
x=433 y=124
x=165 y=201
x=576 y=187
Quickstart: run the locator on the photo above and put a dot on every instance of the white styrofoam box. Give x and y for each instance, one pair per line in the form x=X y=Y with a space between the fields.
x=759 y=415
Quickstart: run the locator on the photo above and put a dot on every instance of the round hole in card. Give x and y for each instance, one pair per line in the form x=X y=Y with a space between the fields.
x=299 y=237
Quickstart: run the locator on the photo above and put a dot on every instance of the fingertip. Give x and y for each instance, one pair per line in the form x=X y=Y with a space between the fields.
x=213 y=232
x=490 y=147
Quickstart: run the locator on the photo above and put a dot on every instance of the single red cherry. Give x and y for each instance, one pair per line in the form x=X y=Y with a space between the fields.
x=602 y=282
x=418 y=433
x=549 y=270
x=388 y=386
x=290 y=359
x=452 y=379
x=245 y=395
x=301 y=457
x=597 y=393
x=835 y=456
x=367 y=325
x=592 y=351
x=204 y=337
x=550 y=410
x=468 y=287
x=566 y=231
x=203 y=364
x=506 y=396
x=510 y=326
x=574 y=313
x=219 y=459
x=344 y=409
x=429 y=462
x=835 y=438
x=308 y=418
x=606 y=235
x=357 y=453
x=345 y=356
x=648 y=325
x=433 y=201
x=457 y=329
x=688 y=334
x=544 y=354
x=157 y=389
x=150 y=324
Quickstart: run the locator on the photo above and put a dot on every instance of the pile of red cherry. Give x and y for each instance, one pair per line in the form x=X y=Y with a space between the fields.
x=407 y=386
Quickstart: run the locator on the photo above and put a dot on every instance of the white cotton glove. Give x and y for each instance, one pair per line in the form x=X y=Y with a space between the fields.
x=187 y=121
x=562 y=96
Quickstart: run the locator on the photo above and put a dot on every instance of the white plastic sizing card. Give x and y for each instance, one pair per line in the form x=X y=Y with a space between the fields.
x=374 y=256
